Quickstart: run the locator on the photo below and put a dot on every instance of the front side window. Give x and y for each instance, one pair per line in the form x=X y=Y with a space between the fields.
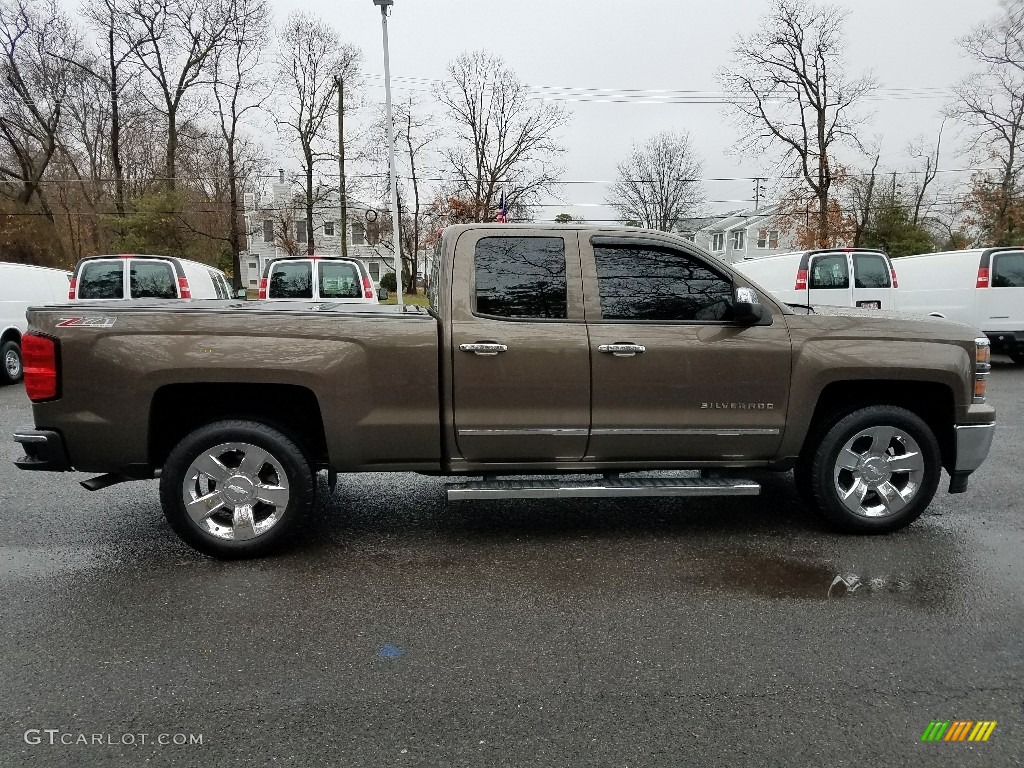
x=830 y=272
x=521 y=277
x=1008 y=270
x=153 y=280
x=219 y=286
x=870 y=272
x=718 y=241
x=651 y=283
x=339 y=281
x=736 y=239
x=291 y=280
x=101 y=280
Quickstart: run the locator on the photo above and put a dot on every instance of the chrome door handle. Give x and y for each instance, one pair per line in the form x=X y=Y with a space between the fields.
x=484 y=348
x=622 y=349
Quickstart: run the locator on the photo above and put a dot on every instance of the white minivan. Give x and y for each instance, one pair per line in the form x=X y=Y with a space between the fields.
x=844 y=277
x=317 y=278
x=982 y=287
x=136 y=276
x=23 y=286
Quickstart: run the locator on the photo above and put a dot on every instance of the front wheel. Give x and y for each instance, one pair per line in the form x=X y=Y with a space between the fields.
x=236 y=489
x=875 y=470
x=11 y=369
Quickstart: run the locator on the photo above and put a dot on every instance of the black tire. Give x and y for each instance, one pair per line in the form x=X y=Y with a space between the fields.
x=886 y=504
x=1017 y=357
x=258 y=486
x=11 y=369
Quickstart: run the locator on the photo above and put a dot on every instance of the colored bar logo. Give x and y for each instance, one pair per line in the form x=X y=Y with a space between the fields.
x=959 y=730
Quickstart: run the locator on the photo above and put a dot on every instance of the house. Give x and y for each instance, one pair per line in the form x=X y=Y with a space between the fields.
x=739 y=235
x=277 y=226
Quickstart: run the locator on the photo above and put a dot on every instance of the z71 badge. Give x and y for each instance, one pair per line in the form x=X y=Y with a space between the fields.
x=86 y=322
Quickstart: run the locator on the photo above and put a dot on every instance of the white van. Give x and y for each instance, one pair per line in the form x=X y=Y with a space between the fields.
x=135 y=276
x=23 y=286
x=982 y=287
x=844 y=277
x=317 y=278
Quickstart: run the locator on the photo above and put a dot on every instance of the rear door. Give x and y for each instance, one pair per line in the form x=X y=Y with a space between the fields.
x=101 y=279
x=152 y=279
x=520 y=358
x=828 y=280
x=674 y=379
x=290 y=279
x=872 y=281
x=1002 y=304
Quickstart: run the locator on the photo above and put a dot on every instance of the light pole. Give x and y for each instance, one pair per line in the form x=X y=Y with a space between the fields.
x=384 y=5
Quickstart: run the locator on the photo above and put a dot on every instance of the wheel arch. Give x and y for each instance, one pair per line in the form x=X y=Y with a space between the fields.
x=11 y=333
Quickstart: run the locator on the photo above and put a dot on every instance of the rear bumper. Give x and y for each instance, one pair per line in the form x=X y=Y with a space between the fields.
x=973 y=442
x=44 y=450
x=1006 y=341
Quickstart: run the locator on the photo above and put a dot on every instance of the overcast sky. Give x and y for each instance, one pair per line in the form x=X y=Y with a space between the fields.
x=662 y=45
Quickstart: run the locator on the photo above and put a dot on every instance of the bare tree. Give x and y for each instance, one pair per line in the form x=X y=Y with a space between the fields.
x=790 y=94
x=659 y=183
x=861 y=189
x=36 y=41
x=506 y=140
x=990 y=105
x=239 y=88
x=174 y=41
x=310 y=56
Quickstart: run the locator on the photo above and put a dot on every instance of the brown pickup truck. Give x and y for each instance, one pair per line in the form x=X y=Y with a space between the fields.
x=547 y=351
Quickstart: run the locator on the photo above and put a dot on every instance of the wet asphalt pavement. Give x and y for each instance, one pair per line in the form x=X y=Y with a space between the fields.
x=405 y=631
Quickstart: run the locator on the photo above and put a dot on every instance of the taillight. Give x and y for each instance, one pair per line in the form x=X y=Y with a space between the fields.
x=39 y=363
x=892 y=271
x=183 y=288
x=367 y=288
x=73 y=287
x=801 y=280
x=263 y=288
x=982 y=277
x=982 y=367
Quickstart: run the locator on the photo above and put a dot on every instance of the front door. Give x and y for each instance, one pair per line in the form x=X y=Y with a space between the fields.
x=520 y=357
x=674 y=379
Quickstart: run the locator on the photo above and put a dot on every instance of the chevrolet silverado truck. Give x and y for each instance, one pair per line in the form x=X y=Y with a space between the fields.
x=554 y=361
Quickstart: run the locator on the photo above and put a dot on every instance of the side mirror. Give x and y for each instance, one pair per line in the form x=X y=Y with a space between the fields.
x=746 y=307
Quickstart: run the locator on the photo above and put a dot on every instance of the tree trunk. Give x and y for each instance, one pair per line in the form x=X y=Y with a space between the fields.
x=308 y=153
x=234 y=233
x=115 y=129
x=172 y=147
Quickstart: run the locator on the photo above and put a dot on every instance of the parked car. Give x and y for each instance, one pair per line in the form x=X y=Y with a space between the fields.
x=548 y=350
x=22 y=286
x=317 y=278
x=843 y=277
x=983 y=287
x=138 y=276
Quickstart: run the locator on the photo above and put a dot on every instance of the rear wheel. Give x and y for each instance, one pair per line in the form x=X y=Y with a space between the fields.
x=236 y=488
x=875 y=470
x=11 y=370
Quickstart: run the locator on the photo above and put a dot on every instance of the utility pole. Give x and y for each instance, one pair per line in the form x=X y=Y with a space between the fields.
x=343 y=194
x=384 y=5
x=758 y=190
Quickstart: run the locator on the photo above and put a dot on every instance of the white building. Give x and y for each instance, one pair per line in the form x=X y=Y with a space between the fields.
x=749 y=234
x=276 y=223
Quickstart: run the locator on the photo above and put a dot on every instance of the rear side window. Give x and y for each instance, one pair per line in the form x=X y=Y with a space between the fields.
x=219 y=287
x=830 y=272
x=521 y=277
x=339 y=281
x=153 y=280
x=648 y=283
x=291 y=280
x=101 y=280
x=870 y=272
x=1008 y=270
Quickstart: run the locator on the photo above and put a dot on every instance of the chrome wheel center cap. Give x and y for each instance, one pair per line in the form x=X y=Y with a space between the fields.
x=239 y=490
x=875 y=470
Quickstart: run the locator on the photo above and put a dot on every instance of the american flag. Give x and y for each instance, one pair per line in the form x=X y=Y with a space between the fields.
x=502 y=217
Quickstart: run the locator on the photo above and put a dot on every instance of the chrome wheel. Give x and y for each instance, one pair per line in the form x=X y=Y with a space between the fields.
x=878 y=471
x=235 y=491
x=12 y=364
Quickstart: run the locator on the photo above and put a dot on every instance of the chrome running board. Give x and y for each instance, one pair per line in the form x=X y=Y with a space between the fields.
x=609 y=487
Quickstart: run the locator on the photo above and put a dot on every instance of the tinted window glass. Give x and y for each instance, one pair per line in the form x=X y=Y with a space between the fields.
x=218 y=285
x=101 y=280
x=646 y=283
x=152 y=280
x=1008 y=271
x=830 y=272
x=339 y=281
x=291 y=280
x=870 y=272
x=521 y=277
